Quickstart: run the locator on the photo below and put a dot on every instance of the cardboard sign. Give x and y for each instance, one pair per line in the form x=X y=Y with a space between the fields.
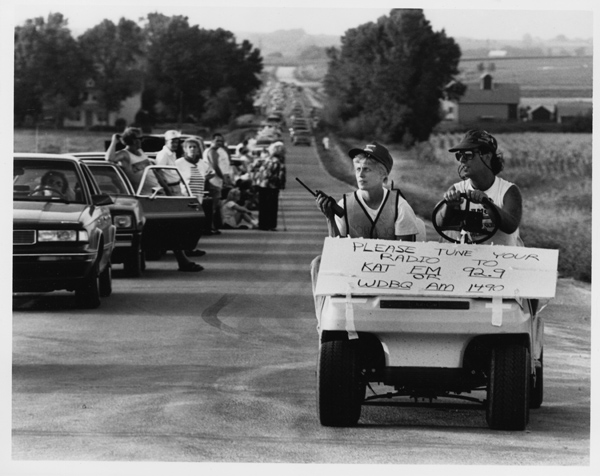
x=359 y=266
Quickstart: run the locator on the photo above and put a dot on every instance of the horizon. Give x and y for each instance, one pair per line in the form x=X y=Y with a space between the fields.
x=477 y=24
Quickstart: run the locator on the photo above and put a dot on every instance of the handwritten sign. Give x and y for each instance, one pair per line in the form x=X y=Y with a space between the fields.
x=376 y=267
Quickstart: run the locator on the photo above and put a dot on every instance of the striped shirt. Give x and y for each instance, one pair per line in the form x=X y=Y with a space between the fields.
x=194 y=175
x=196 y=182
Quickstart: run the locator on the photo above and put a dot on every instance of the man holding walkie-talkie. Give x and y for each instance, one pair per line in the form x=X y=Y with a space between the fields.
x=372 y=211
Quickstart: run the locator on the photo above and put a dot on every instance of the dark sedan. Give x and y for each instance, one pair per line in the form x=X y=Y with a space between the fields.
x=126 y=211
x=63 y=236
x=167 y=222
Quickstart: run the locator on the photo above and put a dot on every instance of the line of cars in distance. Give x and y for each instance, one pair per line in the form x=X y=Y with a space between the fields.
x=75 y=215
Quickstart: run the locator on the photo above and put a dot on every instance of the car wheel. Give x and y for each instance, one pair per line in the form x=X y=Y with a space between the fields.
x=133 y=263
x=105 y=281
x=88 y=294
x=536 y=396
x=340 y=389
x=508 y=388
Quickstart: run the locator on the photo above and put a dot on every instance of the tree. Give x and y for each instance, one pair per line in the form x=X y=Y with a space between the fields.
x=116 y=52
x=188 y=65
x=390 y=76
x=50 y=69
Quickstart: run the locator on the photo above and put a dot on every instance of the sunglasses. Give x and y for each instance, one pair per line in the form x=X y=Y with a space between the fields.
x=468 y=155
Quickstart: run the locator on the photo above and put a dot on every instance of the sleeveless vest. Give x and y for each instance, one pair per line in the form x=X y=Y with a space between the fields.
x=360 y=225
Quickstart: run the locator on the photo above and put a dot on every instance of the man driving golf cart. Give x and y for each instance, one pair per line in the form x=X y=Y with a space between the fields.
x=436 y=320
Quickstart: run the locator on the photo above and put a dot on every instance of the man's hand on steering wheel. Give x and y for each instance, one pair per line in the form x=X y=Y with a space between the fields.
x=453 y=197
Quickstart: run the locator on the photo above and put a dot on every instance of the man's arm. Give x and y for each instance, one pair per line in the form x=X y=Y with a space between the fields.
x=512 y=211
x=110 y=152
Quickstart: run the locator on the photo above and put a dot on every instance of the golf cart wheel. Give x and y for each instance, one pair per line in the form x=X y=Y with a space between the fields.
x=340 y=389
x=508 y=387
x=537 y=385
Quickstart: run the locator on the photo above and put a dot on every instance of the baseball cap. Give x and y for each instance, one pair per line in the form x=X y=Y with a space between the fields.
x=377 y=152
x=474 y=139
x=172 y=135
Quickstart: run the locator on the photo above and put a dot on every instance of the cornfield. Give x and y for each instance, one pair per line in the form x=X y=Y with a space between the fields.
x=567 y=155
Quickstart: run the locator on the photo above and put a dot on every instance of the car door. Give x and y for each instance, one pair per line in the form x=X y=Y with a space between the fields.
x=173 y=222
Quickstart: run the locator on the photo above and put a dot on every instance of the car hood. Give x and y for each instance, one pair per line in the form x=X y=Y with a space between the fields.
x=124 y=202
x=47 y=212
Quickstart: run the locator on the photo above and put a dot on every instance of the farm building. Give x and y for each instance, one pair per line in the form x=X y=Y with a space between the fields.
x=90 y=114
x=486 y=100
x=542 y=114
x=567 y=111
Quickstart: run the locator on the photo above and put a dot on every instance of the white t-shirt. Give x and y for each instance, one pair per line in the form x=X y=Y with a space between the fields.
x=166 y=157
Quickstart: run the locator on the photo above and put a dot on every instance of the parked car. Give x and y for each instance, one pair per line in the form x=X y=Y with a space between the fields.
x=63 y=236
x=302 y=137
x=126 y=211
x=169 y=222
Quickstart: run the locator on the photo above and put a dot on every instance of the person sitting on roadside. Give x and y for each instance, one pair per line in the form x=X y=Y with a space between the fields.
x=235 y=215
x=167 y=157
x=479 y=164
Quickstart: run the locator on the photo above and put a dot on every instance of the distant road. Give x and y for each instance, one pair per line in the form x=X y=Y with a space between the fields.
x=286 y=74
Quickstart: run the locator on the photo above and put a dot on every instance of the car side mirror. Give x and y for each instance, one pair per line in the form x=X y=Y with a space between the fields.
x=102 y=199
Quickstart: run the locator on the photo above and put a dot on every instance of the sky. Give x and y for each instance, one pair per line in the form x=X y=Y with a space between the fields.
x=493 y=19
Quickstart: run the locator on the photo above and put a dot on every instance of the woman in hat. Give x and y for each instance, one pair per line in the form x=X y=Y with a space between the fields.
x=479 y=164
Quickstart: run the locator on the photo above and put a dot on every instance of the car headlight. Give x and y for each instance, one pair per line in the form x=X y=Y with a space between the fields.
x=57 y=235
x=62 y=235
x=122 y=221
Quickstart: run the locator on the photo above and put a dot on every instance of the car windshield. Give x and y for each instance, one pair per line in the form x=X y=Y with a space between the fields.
x=109 y=180
x=47 y=180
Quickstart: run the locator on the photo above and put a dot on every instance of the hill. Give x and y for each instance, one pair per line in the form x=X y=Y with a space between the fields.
x=290 y=44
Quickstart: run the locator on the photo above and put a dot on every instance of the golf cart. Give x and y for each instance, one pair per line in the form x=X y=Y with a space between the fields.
x=435 y=321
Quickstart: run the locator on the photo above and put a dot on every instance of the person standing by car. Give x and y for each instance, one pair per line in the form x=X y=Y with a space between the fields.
x=195 y=173
x=133 y=160
x=167 y=157
x=271 y=178
x=217 y=157
x=479 y=164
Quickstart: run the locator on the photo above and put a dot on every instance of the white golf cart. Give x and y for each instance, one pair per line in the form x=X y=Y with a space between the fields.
x=433 y=320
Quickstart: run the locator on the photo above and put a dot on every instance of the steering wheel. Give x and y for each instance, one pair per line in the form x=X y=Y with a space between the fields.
x=50 y=189
x=466 y=221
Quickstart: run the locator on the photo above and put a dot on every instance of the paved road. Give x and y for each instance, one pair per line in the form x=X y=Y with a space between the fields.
x=220 y=367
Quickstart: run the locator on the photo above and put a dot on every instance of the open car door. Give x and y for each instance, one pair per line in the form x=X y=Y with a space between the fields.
x=173 y=222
